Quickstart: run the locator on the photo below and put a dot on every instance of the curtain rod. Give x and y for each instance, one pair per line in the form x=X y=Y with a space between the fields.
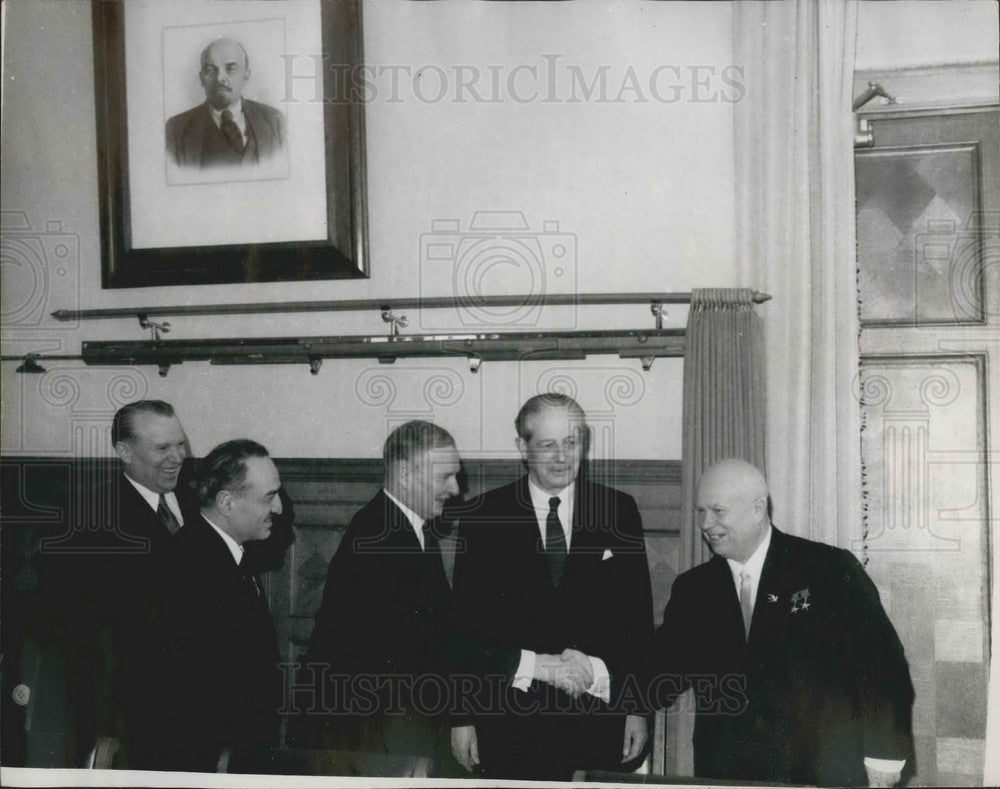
x=350 y=305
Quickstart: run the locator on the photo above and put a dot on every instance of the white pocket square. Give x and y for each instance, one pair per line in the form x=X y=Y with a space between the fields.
x=607 y=555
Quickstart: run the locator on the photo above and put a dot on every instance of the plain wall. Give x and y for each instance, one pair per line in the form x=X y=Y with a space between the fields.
x=644 y=189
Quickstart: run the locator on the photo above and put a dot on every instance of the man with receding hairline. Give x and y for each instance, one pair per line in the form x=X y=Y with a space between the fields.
x=553 y=604
x=799 y=676
x=113 y=563
x=383 y=617
x=228 y=129
x=221 y=652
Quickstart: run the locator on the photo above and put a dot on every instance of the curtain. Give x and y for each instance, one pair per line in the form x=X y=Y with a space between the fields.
x=723 y=417
x=723 y=401
x=795 y=239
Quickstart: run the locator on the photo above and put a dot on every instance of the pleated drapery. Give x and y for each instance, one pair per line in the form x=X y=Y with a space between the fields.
x=795 y=239
x=723 y=397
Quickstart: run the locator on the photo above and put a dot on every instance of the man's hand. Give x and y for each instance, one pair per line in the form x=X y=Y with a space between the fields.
x=579 y=666
x=567 y=675
x=465 y=746
x=636 y=734
x=882 y=777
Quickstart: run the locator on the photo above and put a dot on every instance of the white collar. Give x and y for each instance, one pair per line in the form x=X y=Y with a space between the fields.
x=152 y=498
x=415 y=520
x=755 y=564
x=235 y=109
x=540 y=503
x=234 y=547
x=540 y=498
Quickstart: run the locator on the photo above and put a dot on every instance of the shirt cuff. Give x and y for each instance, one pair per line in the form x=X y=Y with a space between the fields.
x=885 y=765
x=525 y=671
x=601 y=686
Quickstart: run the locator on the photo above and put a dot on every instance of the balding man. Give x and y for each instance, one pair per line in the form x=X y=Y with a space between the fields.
x=374 y=657
x=228 y=129
x=799 y=676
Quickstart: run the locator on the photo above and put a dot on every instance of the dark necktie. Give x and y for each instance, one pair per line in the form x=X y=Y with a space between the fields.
x=252 y=581
x=555 y=542
x=231 y=131
x=167 y=516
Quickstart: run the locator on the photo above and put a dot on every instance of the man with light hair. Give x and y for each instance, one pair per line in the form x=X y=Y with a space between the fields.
x=799 y=676
x=379 y=631
x=552 y=591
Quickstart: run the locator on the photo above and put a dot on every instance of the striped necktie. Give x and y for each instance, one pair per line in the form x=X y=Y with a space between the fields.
x=167 y=516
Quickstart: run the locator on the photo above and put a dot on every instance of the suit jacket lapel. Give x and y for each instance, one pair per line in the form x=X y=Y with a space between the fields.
x=137 y=518
x=198 y=129
x=527 y=549
x=767 y=610
x=400 y=530
x=728 y=601
x=583 y=530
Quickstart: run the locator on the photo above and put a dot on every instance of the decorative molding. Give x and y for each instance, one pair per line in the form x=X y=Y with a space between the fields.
x=942 y=86
x=323 y=489
x=667 y=472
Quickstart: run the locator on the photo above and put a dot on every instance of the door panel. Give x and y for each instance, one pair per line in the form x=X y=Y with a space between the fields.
x=928 y=214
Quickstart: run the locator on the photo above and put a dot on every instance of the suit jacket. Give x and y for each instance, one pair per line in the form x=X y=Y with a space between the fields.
x=101 y=583
x=377 y=638
x=221 y=667
x=137 y=583
x=821 y=682
x=505 y=601
x=193 y=139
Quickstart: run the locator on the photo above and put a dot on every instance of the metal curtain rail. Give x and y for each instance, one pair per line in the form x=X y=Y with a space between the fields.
x=416 y=302
x=645 y=345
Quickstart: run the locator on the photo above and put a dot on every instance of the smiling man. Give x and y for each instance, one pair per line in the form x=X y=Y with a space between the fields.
x=228 y=129
x=552 y=604
x=799 y=676
x=221 y=667
x=145 y=509
x=101 y=584
x=375 y=644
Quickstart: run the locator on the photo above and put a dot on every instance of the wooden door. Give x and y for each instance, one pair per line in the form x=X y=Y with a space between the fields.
x=928 y=221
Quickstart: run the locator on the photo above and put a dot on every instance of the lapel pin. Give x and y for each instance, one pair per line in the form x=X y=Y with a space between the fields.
x=800 y=600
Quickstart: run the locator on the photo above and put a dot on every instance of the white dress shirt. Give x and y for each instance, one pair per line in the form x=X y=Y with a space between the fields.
x=238 y=117
x=153 y=499
x=415 y=520
x=234 y=547
x=754 y=566
x=601 y=686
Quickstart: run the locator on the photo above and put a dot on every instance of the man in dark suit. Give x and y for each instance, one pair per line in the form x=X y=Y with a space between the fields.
x=221 y=666
x=101 y=583
x=799 y=676
x=228 y=129
x=552 y=613
x=373 y=659
x=148 y=509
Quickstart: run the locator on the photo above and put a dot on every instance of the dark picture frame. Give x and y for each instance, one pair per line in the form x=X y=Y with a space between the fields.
x=342 y=253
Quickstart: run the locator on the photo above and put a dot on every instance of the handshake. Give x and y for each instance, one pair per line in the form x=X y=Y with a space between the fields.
x=570 y=671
